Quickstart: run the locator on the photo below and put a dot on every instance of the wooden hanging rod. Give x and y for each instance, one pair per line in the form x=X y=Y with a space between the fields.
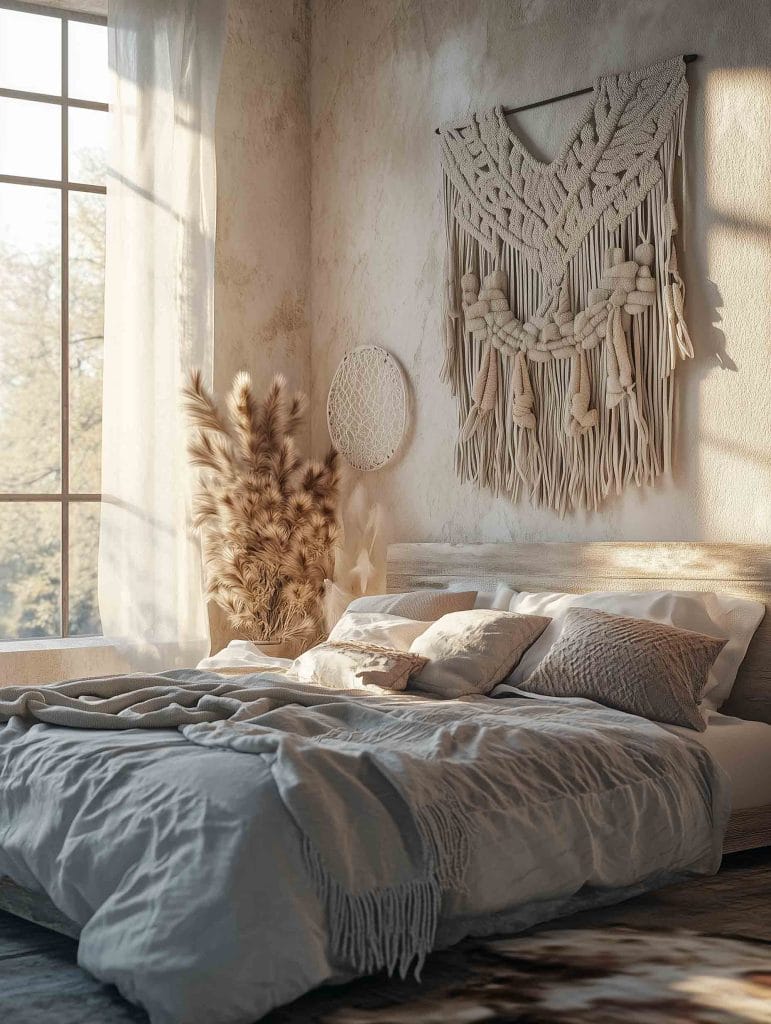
x=689 y=58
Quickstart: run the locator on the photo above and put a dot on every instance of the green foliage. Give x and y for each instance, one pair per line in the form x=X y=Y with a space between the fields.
x=30 y=375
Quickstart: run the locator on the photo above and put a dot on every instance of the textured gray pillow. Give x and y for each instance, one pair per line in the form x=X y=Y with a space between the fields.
x=645 y=668
x=424 y=605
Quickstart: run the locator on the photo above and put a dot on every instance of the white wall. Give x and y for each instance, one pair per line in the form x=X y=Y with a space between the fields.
x=384 y=73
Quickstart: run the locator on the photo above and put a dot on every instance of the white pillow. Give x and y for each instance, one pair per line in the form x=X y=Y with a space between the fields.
x=422 y=605
x=498 y=598
x=378 y=629
x=723 y=616
x=470 y=652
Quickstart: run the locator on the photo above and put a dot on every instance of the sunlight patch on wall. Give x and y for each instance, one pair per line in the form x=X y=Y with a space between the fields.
x=738 y=157
x=735 y=417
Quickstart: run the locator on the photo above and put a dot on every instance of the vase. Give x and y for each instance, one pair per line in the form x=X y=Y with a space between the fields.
x=282 y=648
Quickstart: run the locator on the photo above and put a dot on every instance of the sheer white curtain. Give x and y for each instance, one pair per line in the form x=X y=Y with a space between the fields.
x=165 y=60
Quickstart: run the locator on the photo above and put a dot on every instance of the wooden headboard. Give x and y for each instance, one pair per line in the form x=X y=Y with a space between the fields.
x=742 y=569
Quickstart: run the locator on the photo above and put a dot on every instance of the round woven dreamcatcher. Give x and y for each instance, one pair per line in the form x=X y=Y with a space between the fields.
x=367 y=407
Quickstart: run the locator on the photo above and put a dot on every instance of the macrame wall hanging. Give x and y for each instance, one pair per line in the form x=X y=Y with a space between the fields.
x=564 y=304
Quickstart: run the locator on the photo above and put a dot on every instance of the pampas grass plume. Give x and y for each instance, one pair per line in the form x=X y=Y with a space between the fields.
x=268 y=516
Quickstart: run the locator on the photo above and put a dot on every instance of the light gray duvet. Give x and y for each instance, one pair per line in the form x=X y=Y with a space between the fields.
x=288 y=835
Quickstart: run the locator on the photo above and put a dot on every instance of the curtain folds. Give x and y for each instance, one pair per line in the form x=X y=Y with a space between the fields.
x=165 y=60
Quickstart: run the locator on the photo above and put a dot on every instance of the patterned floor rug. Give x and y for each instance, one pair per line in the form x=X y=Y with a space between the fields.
x=600 y=974
x=575 y=976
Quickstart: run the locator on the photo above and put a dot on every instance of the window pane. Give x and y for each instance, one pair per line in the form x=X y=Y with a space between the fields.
x=30 y=52
x=87 y=62
x=30 y=569
x=30 y=138
x=30 y=352
x=86 y=225
x=88 y=145
x=84 y=547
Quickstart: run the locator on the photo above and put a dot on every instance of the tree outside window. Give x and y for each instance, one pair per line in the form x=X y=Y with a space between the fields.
x=53 y=130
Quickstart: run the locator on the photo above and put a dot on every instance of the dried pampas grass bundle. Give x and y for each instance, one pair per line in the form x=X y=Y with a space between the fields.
x=269 y=517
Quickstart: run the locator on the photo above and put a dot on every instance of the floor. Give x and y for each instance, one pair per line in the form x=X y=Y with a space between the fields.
x=40 y=982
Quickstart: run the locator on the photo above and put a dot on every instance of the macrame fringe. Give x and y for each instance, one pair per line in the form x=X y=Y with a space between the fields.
x=444 y=830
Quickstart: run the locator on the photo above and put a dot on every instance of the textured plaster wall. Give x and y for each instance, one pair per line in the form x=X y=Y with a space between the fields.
x=262 y=275
x=383 y=75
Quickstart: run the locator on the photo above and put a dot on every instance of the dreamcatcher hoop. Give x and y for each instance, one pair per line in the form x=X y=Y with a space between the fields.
x=367 y=407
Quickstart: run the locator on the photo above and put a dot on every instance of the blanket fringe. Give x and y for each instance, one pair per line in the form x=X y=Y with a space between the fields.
x=383 y=929
x=444 y=829
x=393 y=927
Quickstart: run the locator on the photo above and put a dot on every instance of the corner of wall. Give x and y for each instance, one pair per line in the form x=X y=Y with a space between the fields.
x=262 y=261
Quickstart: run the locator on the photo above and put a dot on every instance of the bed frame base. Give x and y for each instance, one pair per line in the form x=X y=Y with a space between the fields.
x=35 y=907
x=749 y=829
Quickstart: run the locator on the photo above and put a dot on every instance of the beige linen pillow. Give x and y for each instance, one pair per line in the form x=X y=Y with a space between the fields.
x=470 y=652
x=635 y=665
x=424 y=605
x=378 y=629
x=348 y=665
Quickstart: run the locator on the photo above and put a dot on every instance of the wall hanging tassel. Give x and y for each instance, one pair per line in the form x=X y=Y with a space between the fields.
x=582 y=417
x=522 y=410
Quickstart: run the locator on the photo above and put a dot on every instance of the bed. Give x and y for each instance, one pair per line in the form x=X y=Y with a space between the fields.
x=741 y=569
x=735 y=738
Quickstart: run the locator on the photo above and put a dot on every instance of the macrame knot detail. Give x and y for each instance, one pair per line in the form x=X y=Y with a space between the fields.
x=486 y=312
x=522 y=410
x=627 y=289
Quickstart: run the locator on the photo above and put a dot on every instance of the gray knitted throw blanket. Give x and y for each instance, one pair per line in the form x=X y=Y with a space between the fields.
x=363 y=764
x=564 y=303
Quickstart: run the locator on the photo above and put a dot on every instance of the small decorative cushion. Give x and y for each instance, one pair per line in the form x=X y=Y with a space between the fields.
x=348 y=665
x=425 y=605
x=378 y=629
x=645 y=668
x=470 y=652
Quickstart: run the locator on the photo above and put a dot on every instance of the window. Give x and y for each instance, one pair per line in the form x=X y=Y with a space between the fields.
x=53 y=132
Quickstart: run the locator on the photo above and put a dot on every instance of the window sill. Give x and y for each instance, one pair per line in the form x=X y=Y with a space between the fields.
x=36 y=662
x=67 y=643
